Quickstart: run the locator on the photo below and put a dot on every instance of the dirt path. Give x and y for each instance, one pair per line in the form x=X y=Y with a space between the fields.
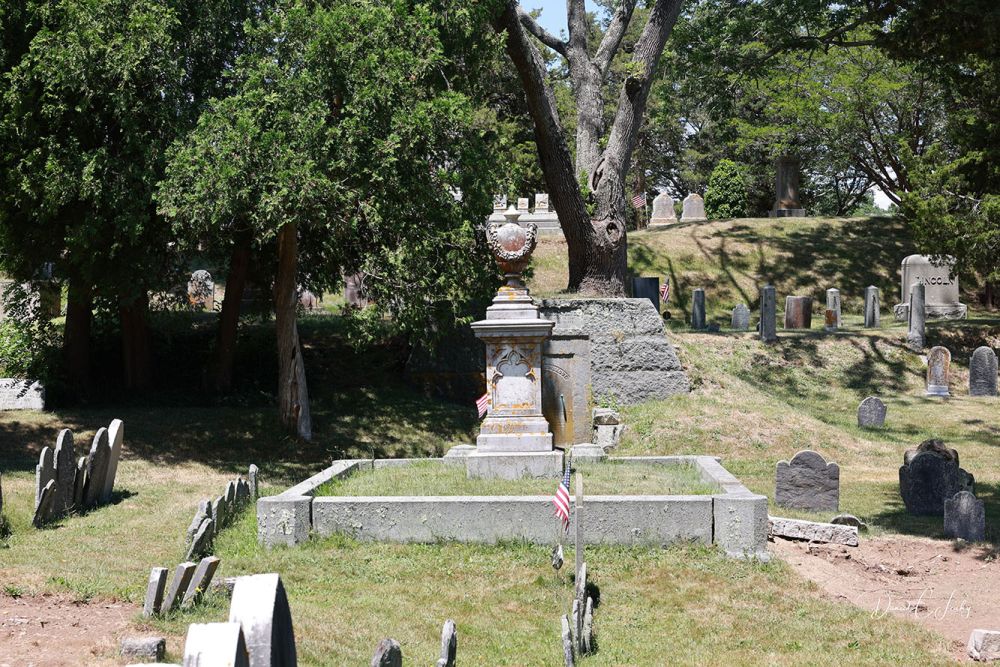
x=951 y=591
x=49 y=631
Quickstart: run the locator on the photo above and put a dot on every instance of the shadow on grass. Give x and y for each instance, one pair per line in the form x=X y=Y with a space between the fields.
x=894 y=517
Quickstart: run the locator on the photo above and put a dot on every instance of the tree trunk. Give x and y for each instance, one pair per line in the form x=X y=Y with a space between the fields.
x=229 y=317
x=136 y=360
x=76 y=336
x=293 y=395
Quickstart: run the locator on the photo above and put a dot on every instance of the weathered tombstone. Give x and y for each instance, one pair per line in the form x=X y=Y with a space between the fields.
x=231 y=494
x=607 y=428
x=203 y=512
x=965 y=517
x=219 y=512
x=808 y=482
x=201 y=580
x=45 y=472
x=930 y=474
x=80 y=482
x=44 y=509
x=388 y=653
x=261 y=606
x=871 y=413
x=116 y=436
x=201 y=543
x=663 y=210
x=983 y=372
x=698 y=309
x=145 y=648
x=154 y=591
x=917 y=318
x=768 y=314
x=201 y=290
x=694 y=208
x=984 y=645
x=97 y=468
x=833 y=304
x=938 y=371
x=872 y=314
x=588 y=626
x=829 y=321
x=541 y=202
x=449 y=645
x=647 y=288
x=741 y=317
x=798 y=312
x=216 y=644
x=942 y=293
x=522 y=204
x=178 y=586
x=567 y=643
x=252 y=479
x=786 y=185
x=65 y=463
x=242 y=493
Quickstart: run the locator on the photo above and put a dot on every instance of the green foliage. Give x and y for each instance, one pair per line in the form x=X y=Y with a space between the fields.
x=28 y=340
x=726 y=195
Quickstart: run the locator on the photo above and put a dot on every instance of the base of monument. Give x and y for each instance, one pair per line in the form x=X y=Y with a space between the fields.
x=787 y=213
x=488 y=465
x=701 y=219
x=587 y=453
x=937 y=390
x=953 y=311
x=659 y=222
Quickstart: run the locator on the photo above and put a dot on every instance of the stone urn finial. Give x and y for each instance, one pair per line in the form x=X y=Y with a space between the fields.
x=512 y=245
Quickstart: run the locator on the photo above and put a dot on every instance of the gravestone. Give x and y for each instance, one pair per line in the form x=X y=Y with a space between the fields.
x=388 y=653
x=522 y=204
x=984 y=645
x=18 y=394
x=252 y=480
x=216 y=644
x=499 y=202
x=203 y=512
x=259 y=603
x=65 y=463
x=741 y=317
x=178 y=586
x=154 y=591
x=97 y=468
x=607 y=428
x=983 y=372
x=829 y=321
x=201 y=543
x=694 y=208
x=965 y=517
x=201 y=579
x=872 y=314
x=541 y=202
x=808 y=482
x=930 y=474
x=647 y=288
x=941 y=288
x=768 y=314
x=663 y=210
x=871 y=413
x=146 y=648
x=786 y=186
x=449 y=645
x=698 y=309
x=201 y=290
x=833 y=304
x=45 y=472
x=80 y=482
x=43 y=511
x=917 y=318
x=798 y=312
x=938 y=371
x=116 y=437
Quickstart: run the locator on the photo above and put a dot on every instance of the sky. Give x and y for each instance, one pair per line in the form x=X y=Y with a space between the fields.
x=553 y=19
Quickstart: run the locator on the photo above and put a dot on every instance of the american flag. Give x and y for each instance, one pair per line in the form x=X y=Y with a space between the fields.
x=483 y=403
x=665 y=291
x=561 y=499
x=639 y=201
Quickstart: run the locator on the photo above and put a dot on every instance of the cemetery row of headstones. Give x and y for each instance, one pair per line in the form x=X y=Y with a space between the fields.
x=189 y=583
x=982 y=372
x=214 y=515
x=63 y=482
x=692 y=209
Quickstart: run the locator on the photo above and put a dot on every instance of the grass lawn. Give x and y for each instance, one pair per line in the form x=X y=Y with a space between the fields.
x=600 y=479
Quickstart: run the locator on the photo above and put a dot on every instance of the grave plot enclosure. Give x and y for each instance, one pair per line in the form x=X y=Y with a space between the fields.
x=702 y=503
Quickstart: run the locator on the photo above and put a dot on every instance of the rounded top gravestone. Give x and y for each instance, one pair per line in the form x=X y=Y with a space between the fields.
x=938 y=371
x=983 y=372
x=694 y=208
x=808 y=482
x=930 y=474
x=260 y=605
x=871 y=413
x=663 y=210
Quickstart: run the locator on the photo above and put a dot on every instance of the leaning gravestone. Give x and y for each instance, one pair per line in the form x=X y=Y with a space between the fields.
x=965 y=517
x=983 y=372
x=768 y=314
x=388 y=653
x=663 y=210
x=116 y=437
x=798 y=312
x=698 y=309
x=259 y=603
x=65 y=473
x=938 y=371
x=917 y=318
x=930 y=474
x=97 y=468
x=807 y=482
x=872 y=315
x=741 y=317
x=942 y=293
x=154 y=591
x=694 y=208
x=871 y=413
x=449 y=645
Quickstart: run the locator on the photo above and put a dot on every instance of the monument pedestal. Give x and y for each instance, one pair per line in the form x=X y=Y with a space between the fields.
x=947 y=311
x=787 y=213
x=514 y=465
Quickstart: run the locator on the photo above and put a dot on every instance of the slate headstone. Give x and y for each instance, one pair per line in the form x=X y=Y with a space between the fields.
x=647 y=288
x=741 y=317
x=871 y=413
x=80 y=482
x=97 y=468
x=178 y=586
x=917 y=318
x=449 y=645
x=214 y=644
x=930 y=474
x=44 y=510
x=567 y=643
x=798 y=312
x=116 y=438
x=154 y=591
x=388 y=653
x=201 y=544
x=693 y=208
x=768 y=314
x=147 y=648
x=833 y=303
x=872 y=312
x=65 y=463
x=45 y=472
x=698 y=309
x=588 y=626
x=938 y=371
x=261 y=606
x=983 y=372
x=201 y=579
x=203 y=512
x=965 y=517
x=808 y=482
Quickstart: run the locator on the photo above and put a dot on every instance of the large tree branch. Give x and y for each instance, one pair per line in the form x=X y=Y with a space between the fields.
x=576 y=23
x=543 y=35
x=614 y=34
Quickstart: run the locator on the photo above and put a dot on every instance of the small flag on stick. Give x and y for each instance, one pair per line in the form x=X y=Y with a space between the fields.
x=639 y=201
x=483 y=404
x=561 y=500
x=665 y=291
